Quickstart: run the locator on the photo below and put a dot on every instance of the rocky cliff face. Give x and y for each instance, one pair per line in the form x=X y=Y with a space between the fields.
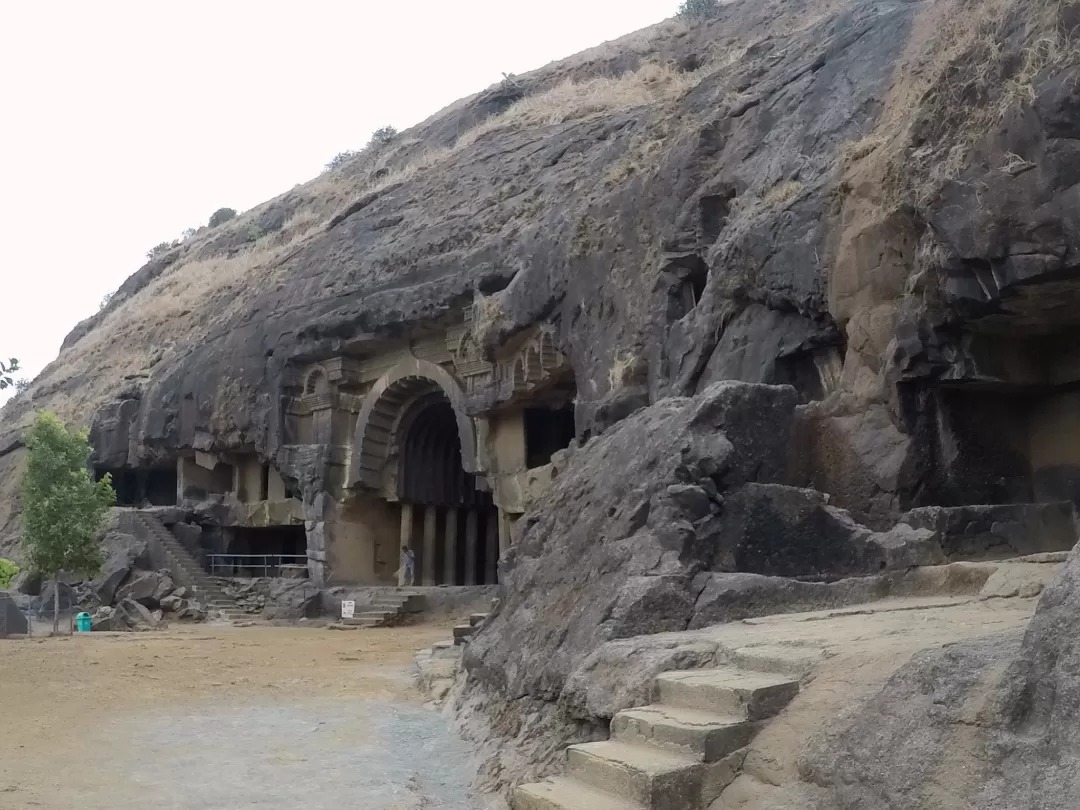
x=976 y=725
x=871 y=204
x=869 y=201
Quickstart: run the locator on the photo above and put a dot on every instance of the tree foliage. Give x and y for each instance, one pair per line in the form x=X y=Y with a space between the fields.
x=8 y=570
x=63 y=507
x=340 y=159
x=381 y=137
x=695 y=10
x=221 y=216
x=6 y=370
x=160 y=249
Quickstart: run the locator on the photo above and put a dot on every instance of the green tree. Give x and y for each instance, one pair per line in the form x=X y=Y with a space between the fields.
x=381 y=137
x=63 y=507
x=340 y=159
x=8 y=570
x=5 y=372
x=694 y=10
x=160 y=249
x=221 y=216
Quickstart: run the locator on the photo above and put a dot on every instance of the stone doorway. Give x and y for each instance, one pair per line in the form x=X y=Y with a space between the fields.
x=449 y=521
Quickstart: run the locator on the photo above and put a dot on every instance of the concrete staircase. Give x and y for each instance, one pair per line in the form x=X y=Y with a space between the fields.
x=677 y=754
x=463 y=632
x=186 y=571
x=388 y=608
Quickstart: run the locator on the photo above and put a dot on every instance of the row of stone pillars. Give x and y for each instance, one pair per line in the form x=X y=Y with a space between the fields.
x=481 y=538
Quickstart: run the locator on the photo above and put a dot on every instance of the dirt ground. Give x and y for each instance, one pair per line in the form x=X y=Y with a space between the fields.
x=216 y=718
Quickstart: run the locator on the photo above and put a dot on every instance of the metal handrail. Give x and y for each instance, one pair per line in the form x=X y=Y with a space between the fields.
x=269 y=562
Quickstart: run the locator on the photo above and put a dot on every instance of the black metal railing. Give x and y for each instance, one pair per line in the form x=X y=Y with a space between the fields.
x=257 y=565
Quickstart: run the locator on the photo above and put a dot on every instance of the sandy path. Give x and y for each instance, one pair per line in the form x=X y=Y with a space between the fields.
x=201 y=718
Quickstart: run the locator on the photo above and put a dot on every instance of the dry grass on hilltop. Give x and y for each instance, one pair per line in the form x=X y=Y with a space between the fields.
x=193 y=297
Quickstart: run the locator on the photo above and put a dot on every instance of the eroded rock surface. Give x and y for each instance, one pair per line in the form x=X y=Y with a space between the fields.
x=976 y=725
x=635 y=539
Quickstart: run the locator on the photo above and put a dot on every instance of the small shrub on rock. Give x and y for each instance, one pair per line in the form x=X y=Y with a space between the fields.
x=340 y=159
x=221 y=216
x=8 y=570
x=697 y=10
x=160 y=249
x=381 y=137
x=6 y=370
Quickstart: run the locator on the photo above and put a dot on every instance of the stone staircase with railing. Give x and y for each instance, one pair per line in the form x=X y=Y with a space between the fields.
x=677 y=754
x=187 y=571
x=388 y=608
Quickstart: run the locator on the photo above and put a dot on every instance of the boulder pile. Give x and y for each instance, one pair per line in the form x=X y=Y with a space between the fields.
x=273 y=598
x=127 y=594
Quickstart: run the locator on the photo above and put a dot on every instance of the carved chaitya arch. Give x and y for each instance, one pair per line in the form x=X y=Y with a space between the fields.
x=380 y=418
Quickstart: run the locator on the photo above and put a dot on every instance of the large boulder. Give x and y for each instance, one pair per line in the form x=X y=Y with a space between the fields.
x=999 y=530
x=989 y=725
x=122 y=553
x=136 y=615
x=12 y=619
x=108 y=619
x=192 y=610
x=172 y=602
x=624 y=528
x=147 y=588
x=47 y=600
x=612 y=550
x=778 y=530
x=292 y=599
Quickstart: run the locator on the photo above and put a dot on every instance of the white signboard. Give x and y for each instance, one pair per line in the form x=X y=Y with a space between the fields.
x=347 y=609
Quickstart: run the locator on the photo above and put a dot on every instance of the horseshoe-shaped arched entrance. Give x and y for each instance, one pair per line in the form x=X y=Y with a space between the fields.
x=413 y=433
x=377 y=426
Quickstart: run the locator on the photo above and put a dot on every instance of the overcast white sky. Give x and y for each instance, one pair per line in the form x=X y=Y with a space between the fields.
x=123 y=123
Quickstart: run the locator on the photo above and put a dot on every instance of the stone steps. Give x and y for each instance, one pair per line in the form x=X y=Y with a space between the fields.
x=188 y=572
x=386 y=608
x=463 y=632
x=730 y=692
x=567 y=794
x=701 y=735
x=676 y=754
x=639 y=773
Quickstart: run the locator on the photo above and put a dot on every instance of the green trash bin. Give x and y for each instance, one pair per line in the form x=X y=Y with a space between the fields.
x=82 y=622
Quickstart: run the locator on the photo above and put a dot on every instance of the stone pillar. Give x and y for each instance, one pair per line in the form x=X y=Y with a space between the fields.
x=450 y=564
x=405 y=538
x=316 y=512
x=493 y=551
x=406 y=528
x=470 y=547
x=431 y=515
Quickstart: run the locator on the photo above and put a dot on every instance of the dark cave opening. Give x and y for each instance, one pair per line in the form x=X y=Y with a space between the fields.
x=156 y=487
x=547 y=431
x=261 y=551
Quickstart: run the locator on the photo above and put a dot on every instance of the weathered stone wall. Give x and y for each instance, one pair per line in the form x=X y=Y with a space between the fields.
x=977 y=725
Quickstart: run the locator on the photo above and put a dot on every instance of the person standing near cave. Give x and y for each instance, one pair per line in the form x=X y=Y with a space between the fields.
x=407 y=571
